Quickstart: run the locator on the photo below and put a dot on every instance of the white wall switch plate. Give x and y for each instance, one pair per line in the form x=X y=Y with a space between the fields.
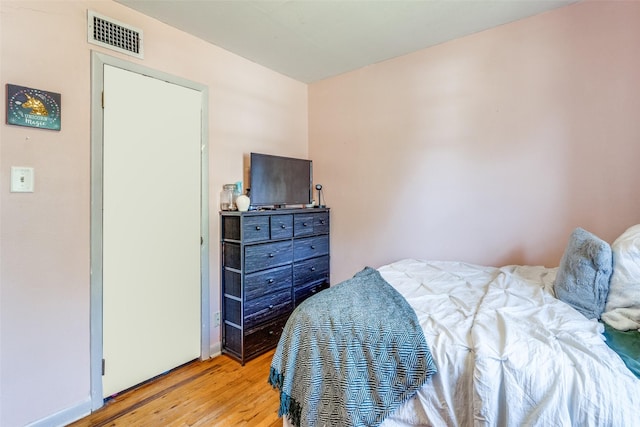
x=21 y=179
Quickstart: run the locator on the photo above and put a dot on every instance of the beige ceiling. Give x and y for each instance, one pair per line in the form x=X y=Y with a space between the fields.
x=310 y=40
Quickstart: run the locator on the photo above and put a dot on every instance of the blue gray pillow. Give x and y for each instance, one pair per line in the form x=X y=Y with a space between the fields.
x=583 y=277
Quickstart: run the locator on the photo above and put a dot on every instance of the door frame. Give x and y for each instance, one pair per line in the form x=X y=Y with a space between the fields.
x=98 y=61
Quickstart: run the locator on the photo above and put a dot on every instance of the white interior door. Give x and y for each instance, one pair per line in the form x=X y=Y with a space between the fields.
x=151 y=227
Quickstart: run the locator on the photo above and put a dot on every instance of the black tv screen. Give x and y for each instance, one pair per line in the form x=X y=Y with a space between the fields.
x=280 y=181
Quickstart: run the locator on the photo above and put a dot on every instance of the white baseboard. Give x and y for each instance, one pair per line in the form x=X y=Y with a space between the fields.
x=215 y=349
x=66 y=416
x=82 y=409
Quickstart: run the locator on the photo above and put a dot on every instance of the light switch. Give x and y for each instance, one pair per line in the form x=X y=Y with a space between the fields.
x=21 y=179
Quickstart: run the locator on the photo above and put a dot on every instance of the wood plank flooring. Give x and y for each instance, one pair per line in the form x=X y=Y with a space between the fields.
x=214 y=392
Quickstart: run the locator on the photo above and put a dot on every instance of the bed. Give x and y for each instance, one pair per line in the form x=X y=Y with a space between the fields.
x=508 y=346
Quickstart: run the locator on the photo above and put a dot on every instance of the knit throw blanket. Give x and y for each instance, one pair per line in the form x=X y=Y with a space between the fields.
x=350 y=355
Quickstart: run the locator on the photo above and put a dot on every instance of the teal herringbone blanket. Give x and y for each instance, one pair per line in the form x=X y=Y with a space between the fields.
x=350 y=355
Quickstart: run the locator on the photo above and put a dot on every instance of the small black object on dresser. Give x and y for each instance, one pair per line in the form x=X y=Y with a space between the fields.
x=271 y=261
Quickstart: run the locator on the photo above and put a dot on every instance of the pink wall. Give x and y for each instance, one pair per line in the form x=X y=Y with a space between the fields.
x=489 y=148
x=45 y=236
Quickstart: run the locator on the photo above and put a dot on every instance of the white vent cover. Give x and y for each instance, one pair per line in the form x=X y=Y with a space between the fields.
x=109 y=33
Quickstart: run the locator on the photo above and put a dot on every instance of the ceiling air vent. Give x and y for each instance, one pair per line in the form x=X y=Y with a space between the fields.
x=109 y=33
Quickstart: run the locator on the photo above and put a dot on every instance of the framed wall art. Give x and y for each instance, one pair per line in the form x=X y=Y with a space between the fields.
x=33 y=108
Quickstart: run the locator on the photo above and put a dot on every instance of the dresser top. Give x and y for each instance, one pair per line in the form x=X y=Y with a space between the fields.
x=275 y=211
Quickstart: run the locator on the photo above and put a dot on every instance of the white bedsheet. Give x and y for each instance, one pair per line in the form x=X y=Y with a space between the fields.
x=508 y=352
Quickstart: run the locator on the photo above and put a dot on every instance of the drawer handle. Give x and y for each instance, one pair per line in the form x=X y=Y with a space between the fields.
x=270 y=281
x=271 y=307
x=304 y=224
x=271 y=255
x=314 y=290
x=283 y=226
x=313 y=269
x=313 y=246
x=257 y=228
x=322 y=221
x=271 y=332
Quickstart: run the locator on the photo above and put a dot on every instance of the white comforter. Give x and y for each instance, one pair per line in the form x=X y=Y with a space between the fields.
x=508 y=352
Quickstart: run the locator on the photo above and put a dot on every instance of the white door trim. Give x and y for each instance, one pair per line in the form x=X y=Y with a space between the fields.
x=98 y=61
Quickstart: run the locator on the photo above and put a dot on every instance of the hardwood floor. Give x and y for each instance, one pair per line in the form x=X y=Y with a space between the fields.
x=215 y=392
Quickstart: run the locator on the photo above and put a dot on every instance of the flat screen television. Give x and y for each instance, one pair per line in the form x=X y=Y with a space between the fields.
x=277 y=181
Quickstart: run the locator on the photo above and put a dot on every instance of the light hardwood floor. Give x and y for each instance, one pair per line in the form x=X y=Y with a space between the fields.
x=215 y=392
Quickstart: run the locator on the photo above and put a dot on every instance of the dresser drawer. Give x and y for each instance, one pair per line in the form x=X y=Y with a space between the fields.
x=255 y=229
x=265 y=282
x=303 y=224
x=232 y=283
x=310 y=223
x=321 y=223
x=264 y=338
x=231 y=255
x=268 y=307
x=311 y=270
x=232 y=340
x=231 y=227
x=233 y=311
x=304 y=292
x=281 y=226
x=310 y=247
x=267 y=255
